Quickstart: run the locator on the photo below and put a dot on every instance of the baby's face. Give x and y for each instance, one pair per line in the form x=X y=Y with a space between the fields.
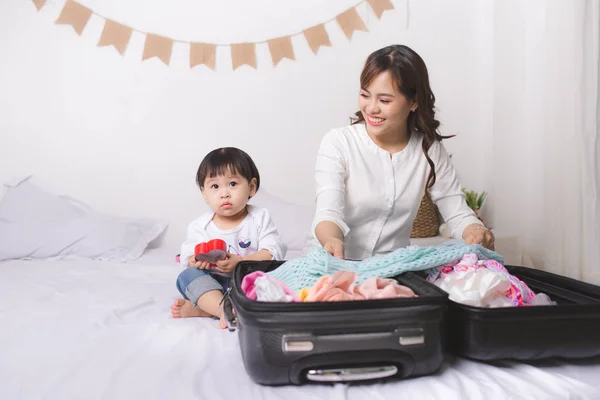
x=228 y=194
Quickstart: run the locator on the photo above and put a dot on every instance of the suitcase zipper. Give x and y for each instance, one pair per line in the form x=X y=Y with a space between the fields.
x=228 y=313
x=259 y=306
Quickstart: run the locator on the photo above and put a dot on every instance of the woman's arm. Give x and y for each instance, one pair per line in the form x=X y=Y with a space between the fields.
x=447 y=194
x=329 y=226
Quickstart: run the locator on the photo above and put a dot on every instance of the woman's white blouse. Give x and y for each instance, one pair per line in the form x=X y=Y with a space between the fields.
x=374 y=198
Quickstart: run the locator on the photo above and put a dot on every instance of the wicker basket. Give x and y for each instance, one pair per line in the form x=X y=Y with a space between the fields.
x=427 y=222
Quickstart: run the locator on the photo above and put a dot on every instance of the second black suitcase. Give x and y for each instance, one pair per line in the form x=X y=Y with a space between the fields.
x=296 y=343
x=570 y=329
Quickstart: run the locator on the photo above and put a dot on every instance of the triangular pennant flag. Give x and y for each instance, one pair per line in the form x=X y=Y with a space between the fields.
x=350 y=21
x=115 y=34
x=39 y=4
x=158 y=46
x=243 y=53
x=316 y=37
x=74 y=14
x=379 y=6
x=203 y=53
x=281 y=48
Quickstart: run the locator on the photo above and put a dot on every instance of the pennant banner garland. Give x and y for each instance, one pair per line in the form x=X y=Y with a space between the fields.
x=317 y=37
x=115 y=34
x=203 y=53
x=39 y=3
x=158 y=46
x=118 y=35
x=350 y=21
x=74 y=14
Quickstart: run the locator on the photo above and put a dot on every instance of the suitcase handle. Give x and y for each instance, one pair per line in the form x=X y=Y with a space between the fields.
x=309 y=343
x=351 y=374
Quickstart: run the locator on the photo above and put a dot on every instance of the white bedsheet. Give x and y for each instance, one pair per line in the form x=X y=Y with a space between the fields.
x=78 y=329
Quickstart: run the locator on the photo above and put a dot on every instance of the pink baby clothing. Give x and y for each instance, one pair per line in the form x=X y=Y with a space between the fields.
x=381 y=288
x=262 y=287
x=336 y=287
x=341 y=287
x=481 y=283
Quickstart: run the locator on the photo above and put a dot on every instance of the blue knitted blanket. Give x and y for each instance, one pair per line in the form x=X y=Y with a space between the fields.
x=305 y=271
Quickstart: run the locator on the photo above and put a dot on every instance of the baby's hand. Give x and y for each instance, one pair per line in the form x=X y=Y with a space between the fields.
x=228 y=264
x=192 y=262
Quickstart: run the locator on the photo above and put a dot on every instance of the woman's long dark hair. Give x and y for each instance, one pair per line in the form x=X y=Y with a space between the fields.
x=409 y=73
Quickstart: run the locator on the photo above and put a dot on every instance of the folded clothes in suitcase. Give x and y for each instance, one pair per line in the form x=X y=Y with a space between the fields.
x=569 y=329
x=296 y=343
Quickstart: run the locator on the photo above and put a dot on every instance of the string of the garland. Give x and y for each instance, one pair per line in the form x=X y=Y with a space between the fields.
x=118 y=35
x=229 y=44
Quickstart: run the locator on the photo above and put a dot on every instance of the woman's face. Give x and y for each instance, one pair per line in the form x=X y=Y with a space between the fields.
x=383 y=107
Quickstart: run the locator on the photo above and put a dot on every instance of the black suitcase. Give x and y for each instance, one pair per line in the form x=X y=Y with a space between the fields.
x=570 y=329
x=296 y=343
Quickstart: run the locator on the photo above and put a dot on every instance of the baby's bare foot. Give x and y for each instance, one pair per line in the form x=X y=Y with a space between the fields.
x=182 y=308
x=222 y=323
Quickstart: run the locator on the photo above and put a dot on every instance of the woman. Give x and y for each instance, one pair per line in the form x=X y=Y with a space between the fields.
x=372 y=174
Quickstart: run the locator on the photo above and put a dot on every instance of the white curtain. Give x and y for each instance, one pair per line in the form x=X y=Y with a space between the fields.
x=546 y=147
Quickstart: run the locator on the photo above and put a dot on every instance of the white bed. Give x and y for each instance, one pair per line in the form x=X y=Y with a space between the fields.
x=81 y=329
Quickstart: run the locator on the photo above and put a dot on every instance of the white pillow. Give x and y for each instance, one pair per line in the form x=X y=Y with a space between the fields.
x=293 y=221
x=35 y=223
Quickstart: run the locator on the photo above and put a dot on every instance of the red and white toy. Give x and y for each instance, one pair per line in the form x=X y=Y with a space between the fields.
x=211 y=251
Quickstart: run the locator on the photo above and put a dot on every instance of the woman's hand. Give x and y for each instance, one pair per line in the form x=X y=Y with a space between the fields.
x=335 y=247
x=479 y=234
x=331 y=238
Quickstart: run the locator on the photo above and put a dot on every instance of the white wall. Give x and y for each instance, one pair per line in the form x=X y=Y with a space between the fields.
x=126 y=136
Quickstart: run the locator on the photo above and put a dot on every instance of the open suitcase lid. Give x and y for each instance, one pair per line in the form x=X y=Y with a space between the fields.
x=569 y=329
